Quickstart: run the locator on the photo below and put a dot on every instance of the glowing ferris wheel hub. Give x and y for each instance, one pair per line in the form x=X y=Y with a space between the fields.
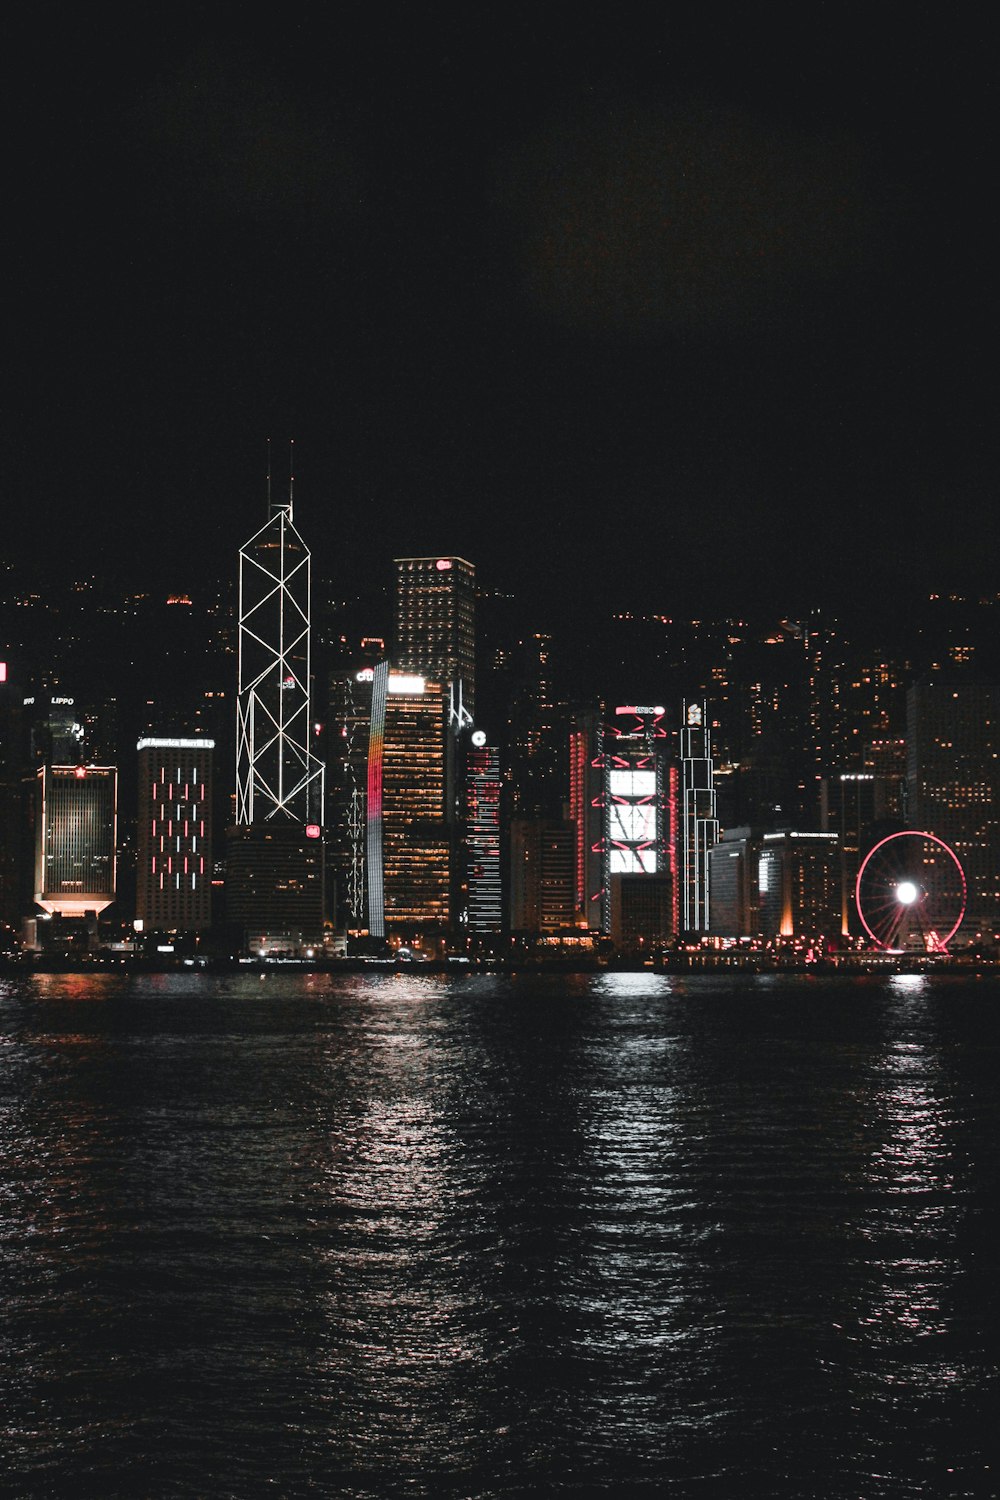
x=906 y=892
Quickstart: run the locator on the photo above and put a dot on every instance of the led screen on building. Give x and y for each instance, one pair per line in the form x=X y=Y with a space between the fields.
x=632 y=783
x=632 y=822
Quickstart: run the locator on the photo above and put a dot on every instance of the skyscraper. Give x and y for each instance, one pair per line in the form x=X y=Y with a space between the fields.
x=436 y=640
x=12 y=820
x=349 y=721
x=799 y=885
x=698 y=825
x=278 y=779
x=409 y=801
x=276 y=886
x=174 y=885
x=535 y=745
x=586 y=810
x=76 y=829
x=634 y=794
x=542 y=885
x=55 y=730
x=275 y=878
x=634 y=808
x=953 y=779
x=436 y=626
x=734 y=881
x=848 y=808
x=483 y=786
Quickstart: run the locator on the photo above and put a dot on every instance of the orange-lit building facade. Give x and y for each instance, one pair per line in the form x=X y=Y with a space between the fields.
x=416 y=838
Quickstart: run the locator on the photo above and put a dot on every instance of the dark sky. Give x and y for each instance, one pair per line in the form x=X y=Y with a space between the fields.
x=662 y=306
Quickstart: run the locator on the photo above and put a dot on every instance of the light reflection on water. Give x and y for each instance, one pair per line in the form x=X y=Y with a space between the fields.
x=613 y=1234
x=909 y=1224
x=909 y=984
x=626 y=984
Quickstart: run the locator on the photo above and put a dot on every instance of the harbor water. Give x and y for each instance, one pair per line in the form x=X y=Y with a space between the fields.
x=423 y=1235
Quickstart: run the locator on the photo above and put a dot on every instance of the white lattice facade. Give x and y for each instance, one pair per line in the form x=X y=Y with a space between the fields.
x=277 y=776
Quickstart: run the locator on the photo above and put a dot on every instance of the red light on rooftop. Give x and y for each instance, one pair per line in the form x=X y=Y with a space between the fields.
x=313 y=830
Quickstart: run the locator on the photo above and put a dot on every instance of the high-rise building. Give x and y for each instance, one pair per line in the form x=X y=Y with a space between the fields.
x=734 y=862
x=407 y=831
x=953 y=780
x=276 y=886
x=436 y=627
x=55 y=729
x=275 y=876
x=482 y=792
x=799 y=885
x=885 y=758
x=633 y=808
x=641 y=912
x=848 y=808
x=12 y=817
x=698 y=826
x=393 y=838
x=542 y=883
x=535 y=746
x=278 y=778
x=76 y=830
x=350 y=709
x=416 y=834
x=174 y=885
x=586 y=810
x=635 y=841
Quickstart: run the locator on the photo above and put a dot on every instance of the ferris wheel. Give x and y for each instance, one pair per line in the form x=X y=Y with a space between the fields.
x=911 y=893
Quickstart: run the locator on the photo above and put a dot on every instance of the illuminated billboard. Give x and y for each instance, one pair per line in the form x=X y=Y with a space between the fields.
x=632 y=821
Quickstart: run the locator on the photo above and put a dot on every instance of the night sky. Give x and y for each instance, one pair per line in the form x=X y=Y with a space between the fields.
x=666 y=308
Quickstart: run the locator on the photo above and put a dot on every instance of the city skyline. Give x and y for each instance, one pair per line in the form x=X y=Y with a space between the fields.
x=604 y=805
x=499 y=975
x=83 y=618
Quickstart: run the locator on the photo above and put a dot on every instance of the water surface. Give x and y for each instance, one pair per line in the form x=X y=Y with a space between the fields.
x=480 y=1237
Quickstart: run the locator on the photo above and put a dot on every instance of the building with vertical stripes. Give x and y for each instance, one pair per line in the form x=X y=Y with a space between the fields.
x=482 y=792
x=76 y=835
x=174 y=878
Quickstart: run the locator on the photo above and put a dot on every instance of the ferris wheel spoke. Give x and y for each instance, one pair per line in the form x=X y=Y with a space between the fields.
x=911 y=891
